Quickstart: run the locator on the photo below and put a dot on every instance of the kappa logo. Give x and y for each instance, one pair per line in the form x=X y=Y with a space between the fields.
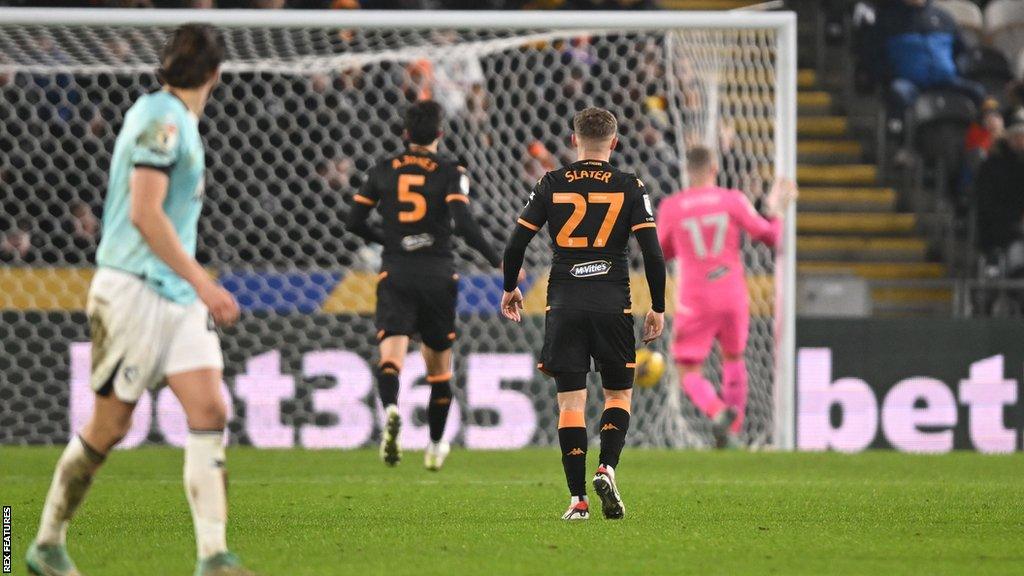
x=417 y=242
x=609 y=426
x=575 y=452
x=588 y=269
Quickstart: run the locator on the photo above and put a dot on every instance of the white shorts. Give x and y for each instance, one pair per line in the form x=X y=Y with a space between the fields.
x=140 y=337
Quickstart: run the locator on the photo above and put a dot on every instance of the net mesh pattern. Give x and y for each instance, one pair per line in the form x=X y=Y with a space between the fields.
x=298 y=118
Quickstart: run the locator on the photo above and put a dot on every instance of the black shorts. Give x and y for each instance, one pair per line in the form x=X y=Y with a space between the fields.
x=577 y=340
x=417 y=304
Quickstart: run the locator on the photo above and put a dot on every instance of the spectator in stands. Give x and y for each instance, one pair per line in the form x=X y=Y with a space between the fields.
x=913 y=45
x=984 y=132
x=999 y=189
x=337 y=172
x=85 y=226
x=980 y=137
x=16 y=244
x=79 y=236
x=539 y=161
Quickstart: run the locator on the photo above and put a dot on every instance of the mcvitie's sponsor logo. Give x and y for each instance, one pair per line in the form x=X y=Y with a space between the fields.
x=588 y=269
x=416 y=242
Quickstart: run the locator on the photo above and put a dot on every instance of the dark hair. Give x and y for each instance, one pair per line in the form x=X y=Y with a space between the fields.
x=698 y=159
x=423 y=122
x=192 y=54
x=594 y=125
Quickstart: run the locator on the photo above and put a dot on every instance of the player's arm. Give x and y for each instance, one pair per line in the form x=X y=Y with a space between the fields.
x=644 y=228
x=148 y=190
x=766 y=229
x=466 y=224
x=358 y=221
x=153 y=157
x=530 y=221
x=664 y=229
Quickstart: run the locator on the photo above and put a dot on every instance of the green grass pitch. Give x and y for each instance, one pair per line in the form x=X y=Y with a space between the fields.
x=496 y=513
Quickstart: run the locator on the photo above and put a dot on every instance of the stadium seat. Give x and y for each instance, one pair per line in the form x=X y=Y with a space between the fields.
x=968 y=16
x=938 y=122
x=987 y=66
x=1004 y=24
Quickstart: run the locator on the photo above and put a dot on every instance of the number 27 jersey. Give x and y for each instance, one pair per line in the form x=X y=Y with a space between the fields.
x=590 y=209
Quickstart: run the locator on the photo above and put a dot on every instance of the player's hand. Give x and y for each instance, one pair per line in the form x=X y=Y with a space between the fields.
x=222 y=304
x=783 y=192
x=511 y=304
x=654 y=324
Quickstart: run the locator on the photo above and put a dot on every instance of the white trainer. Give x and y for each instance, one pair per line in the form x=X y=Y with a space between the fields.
x=435 y=455
x=608 y=491
x=578 y=510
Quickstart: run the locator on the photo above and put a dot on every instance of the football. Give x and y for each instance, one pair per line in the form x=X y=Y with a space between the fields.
x=650 y=367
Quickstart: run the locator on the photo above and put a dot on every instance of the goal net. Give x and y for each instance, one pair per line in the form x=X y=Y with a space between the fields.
x=305 y=106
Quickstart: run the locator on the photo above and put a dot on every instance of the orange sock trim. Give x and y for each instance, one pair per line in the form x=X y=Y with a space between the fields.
x=439 y=378
x=571 y=419
x=616 y=403
x=397 y=365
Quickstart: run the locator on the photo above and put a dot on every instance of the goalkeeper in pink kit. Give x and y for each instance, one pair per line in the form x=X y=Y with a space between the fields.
x=700 y=227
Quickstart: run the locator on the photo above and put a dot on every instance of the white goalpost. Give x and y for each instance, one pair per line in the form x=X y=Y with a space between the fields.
x=308 y=100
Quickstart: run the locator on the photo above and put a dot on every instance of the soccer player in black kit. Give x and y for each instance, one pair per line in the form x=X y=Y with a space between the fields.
x=590 y=208
x=418 y=194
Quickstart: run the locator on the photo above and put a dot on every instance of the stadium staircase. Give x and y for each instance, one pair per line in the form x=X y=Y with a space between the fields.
x=848 y=220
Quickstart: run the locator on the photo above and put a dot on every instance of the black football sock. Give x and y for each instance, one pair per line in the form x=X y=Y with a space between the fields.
x=440 y=403
x=387 y=383
x=572 y=438
x=614 y=425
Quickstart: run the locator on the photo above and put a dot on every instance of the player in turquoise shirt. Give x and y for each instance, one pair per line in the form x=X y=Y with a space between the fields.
x=160 y=133
x=149 y=307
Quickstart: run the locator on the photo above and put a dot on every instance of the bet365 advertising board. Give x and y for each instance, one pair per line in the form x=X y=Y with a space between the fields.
x=921 y=385
x=930 y=385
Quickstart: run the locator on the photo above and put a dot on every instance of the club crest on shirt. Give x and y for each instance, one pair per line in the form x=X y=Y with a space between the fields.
x=162 y=136
x=417 y=242
x=588 y=269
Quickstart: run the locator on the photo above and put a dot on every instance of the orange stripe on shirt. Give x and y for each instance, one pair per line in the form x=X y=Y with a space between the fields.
x=457 y=198
x=364 y=200
x=533 y=227
x=643 y=225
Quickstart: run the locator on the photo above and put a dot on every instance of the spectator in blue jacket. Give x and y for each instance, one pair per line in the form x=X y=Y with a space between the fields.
x=914 y=47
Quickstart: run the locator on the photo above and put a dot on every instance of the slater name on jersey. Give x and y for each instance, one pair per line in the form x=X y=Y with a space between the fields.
x=599 y=175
